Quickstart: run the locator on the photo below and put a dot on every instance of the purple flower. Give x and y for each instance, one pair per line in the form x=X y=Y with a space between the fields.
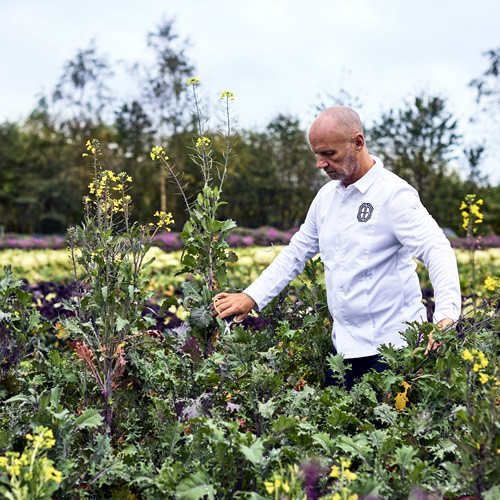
x=273 y=234
x=248 y=241
x=232 y=407
x=234 y=240
x=168 y=241
x=311 y=471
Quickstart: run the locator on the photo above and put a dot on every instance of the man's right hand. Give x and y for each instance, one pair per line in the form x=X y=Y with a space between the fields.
x=229 y=304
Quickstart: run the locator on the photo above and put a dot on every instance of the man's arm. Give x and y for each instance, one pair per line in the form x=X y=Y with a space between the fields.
x=233 y=304
x=286 y=266
x=417 y=230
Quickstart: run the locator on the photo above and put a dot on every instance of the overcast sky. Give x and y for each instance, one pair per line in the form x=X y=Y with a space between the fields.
x=277 y=56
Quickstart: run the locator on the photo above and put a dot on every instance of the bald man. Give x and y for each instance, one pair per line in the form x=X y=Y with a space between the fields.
x=367 y=225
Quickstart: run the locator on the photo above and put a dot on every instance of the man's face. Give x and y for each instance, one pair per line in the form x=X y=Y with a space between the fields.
x=336 y=156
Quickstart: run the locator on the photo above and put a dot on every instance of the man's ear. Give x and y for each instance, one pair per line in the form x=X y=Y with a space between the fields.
x=359 y=141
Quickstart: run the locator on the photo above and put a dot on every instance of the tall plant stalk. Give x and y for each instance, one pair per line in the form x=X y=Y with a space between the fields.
x=111 y=251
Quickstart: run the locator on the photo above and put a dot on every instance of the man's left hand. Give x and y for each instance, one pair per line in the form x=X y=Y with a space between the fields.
x=432 y=345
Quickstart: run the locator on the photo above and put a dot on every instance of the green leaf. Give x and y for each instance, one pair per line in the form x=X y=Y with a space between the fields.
x=55 y=396
x=121 y=323
x=325 y=441
x=404 y=456
x=188 y=261
x=254 y=452
x=195 y=487
x=200 y=317
x=18 y=397
x=89 y=419
x=267 y=409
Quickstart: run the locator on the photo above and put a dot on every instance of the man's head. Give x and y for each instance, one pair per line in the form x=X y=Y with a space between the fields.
x=336 y=138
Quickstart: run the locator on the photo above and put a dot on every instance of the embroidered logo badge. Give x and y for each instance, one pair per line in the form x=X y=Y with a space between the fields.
x=365 y=212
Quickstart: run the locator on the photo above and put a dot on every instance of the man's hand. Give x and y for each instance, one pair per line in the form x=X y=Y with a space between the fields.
x=228 y=304
x=432 y=345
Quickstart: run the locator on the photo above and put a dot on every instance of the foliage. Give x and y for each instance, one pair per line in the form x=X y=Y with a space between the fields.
x=205 y=253
x=21 y=326
x=206 y=409
x=416 y=142
x=43 y=178
x=30 y=474
x=112 y=250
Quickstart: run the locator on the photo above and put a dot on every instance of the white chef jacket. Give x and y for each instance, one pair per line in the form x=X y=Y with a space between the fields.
x=366 y=235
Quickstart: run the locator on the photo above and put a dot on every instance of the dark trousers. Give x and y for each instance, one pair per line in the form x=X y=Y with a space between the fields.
x=359 y=366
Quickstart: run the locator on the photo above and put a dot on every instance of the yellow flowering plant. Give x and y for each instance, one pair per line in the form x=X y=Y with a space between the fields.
x=342 y=475
x=479 y=363
x=470 y=209
x=285 y=484
x=30 y=474
x=111 y=250
x=206 y=253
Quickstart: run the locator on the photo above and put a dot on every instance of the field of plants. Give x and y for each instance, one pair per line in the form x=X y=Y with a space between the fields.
x=117 y=381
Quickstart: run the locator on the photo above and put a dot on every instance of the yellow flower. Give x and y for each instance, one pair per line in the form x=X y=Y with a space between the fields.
x=467 y=355
x=52 y=474
x=401 y=398
x=463 y=205
x=285 y=487
x=227 y=95
x=350 y=476
x=14 y=470
x=491 y=283
x=277 y=483
x=345 y=463
x=354 y=496
x=202 y=142
x=269 y=487
x=157 y=152
x=483 y=378
x=334 y=471
x=483 y=361
x=336 y=496
x=476 y=367
x=3 y=461
x=193 y=81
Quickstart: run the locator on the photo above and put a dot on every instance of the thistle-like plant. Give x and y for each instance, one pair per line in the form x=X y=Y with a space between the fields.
x=111 y=250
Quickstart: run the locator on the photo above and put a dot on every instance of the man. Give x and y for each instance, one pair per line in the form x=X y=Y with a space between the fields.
x=366 y=225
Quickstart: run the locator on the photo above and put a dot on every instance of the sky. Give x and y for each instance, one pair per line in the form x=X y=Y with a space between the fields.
x=277 y=56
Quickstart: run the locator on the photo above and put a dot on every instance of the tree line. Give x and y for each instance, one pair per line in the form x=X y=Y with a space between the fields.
x=271 y=178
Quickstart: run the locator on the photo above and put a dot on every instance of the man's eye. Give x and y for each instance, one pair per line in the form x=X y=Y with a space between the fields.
x=327 y=153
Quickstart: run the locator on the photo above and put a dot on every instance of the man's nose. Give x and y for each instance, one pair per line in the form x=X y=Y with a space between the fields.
x=321 y=162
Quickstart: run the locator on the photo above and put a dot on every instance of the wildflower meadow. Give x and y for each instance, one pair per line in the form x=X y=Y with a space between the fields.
x=116 y=380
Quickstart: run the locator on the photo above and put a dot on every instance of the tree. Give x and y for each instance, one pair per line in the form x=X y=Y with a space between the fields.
x=487 y=86
x=272 y=180
x=165 y=93
x=134 y=138
x=417 y=142
x=82 y=95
